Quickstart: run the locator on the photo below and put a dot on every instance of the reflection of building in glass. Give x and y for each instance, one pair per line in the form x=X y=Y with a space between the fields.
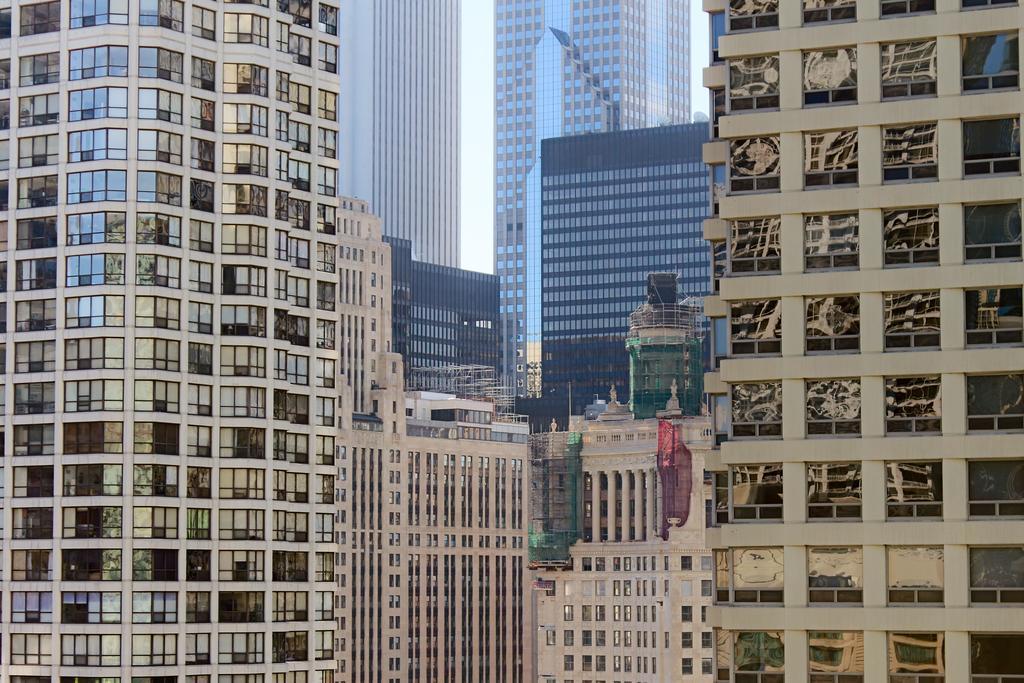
x=757 y=484
x=836 y=652
x=909 y=61
x=917 y=653
x=909 y=145
x=754 y=245
x=911 y=482
x=831 y=482
x=830 y=151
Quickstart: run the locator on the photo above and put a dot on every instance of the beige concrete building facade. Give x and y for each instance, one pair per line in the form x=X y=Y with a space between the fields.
x=628 y=604
x=433 y=547
x=868 y=385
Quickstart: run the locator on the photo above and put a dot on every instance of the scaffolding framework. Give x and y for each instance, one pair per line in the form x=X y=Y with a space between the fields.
x=555 y=497
x=665 y=343
x=476 y=382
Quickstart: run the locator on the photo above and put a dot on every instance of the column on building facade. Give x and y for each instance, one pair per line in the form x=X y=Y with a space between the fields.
x=638 y=505
x=652 y=495
x=595 y=506
x=626 y=520
x=611 y=505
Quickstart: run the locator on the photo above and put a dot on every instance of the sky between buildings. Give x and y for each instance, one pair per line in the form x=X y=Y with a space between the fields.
x=478 y=122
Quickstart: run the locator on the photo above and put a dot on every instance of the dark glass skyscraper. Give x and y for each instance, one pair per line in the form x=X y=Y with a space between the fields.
x=615 y=206
x=569 y=67
x=441 y=315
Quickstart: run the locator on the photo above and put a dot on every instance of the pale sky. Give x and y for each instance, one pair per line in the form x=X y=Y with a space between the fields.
x=478 y=122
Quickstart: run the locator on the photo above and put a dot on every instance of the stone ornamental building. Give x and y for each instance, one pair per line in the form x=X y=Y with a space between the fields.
x=622 y=592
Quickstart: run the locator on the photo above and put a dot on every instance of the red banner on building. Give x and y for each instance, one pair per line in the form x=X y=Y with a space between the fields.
x=675 y=469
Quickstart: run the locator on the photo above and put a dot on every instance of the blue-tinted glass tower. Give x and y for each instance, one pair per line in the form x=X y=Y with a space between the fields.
x=440 y=315
x=568 y=67
x=615 y=207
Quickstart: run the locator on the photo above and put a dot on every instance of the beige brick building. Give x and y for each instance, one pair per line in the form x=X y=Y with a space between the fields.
x=869 y=372
x=433 y=547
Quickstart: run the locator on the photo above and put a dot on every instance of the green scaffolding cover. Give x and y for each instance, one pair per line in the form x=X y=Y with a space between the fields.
x=555 y=486
x=653 y=364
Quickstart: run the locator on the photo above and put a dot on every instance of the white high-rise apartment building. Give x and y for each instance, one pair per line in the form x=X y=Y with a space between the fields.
x=185 y=323
x=400 y=118
x=868 y=339
x=210 y=473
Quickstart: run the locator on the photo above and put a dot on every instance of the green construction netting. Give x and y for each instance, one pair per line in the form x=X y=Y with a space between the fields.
x=555 y=488
x=653 y=364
